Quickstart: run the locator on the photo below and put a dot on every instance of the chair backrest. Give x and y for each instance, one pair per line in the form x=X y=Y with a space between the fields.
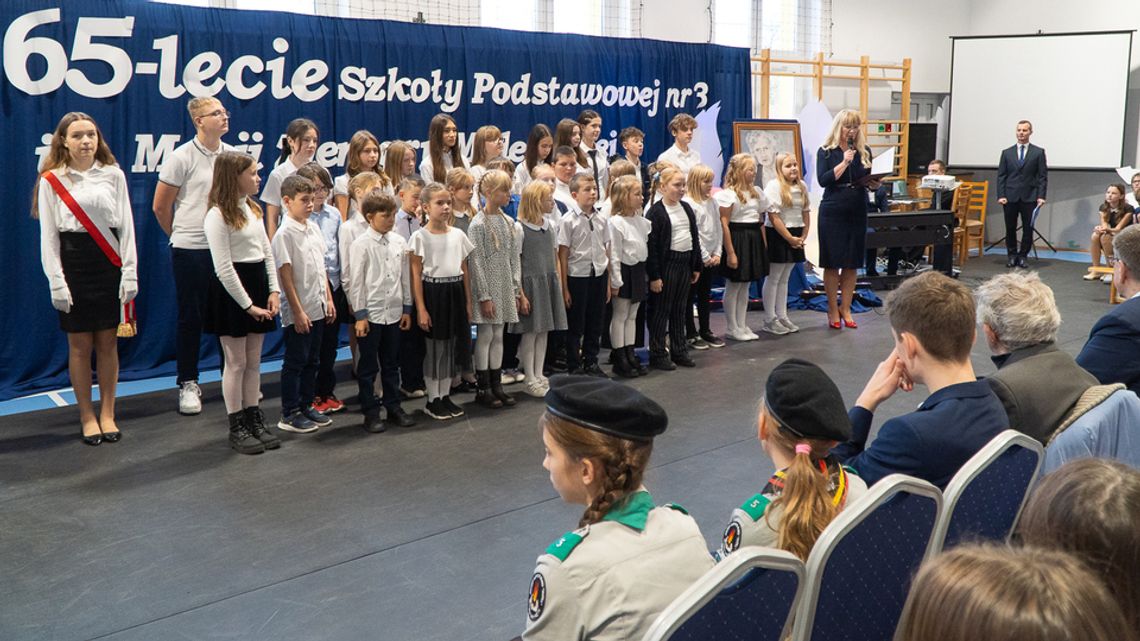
x=962 y=197
x=984 y=499
x=859 y=572
x=750 y=595
x=979 y=198
x=1110 y=429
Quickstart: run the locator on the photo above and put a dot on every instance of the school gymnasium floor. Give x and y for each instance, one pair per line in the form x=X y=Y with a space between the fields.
x=425 y=533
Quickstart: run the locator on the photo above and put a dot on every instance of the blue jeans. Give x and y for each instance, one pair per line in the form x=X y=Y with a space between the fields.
x=299 y=371
x=379 y=350
x=193 y=271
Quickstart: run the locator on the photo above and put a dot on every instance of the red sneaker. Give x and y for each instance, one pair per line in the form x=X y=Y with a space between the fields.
x=322 y=404
x=332 y=404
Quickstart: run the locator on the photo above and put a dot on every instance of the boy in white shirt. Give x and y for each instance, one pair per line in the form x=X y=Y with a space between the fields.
x=590 y=123
x=565 y=166
x=381 y=302
x=682 y=126
x=632 y=141
x=584 y=259
x=299 y=249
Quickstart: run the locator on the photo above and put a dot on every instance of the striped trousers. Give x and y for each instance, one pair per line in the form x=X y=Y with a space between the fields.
x=668 y=308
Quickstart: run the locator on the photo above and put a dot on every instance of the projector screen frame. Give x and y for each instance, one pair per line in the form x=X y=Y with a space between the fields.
x=1127 y=88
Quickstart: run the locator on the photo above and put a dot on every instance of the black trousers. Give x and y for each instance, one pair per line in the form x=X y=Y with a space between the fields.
x=412 y=351
x=330 y=342
x=585 y=319
x=667 y=315
x=379 y=352
x=701 y=292
x=1013 y=210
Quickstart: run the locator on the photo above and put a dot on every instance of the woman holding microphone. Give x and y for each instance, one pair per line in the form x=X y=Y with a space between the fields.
x=842 y=164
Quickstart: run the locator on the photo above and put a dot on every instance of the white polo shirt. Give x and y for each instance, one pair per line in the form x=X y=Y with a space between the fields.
x=190 y=168
x=302 y=246
x=684 y=160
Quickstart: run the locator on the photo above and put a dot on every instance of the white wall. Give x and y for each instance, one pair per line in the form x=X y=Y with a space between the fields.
x=676 y=20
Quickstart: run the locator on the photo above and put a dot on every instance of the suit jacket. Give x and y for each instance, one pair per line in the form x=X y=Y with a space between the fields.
x=931 y=443
x=1038 y=385
x=661 y=238
x=1025 y=182
x=1112 y=353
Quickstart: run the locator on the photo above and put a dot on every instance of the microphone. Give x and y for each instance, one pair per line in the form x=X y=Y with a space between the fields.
x=851 y=142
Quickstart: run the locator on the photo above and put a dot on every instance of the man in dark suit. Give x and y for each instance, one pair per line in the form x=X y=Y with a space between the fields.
x=1037 y=383
x=1112 y=352
x=1022 y=177
x=932 y=319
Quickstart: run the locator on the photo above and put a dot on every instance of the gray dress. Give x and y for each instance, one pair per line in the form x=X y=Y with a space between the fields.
x=540 y=282
x=494 y=266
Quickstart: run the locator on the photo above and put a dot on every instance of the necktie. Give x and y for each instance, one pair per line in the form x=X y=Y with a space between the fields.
x=594 y=161
x=1021 y=154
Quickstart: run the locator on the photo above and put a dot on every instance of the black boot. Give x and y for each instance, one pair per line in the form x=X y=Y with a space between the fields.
x=255 y=420
x=240 y=438
x=622 y=367
x=497 y=388
x=483 y=395
x=635 y=361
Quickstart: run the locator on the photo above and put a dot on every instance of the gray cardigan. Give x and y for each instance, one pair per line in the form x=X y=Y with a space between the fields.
x=1038 y=386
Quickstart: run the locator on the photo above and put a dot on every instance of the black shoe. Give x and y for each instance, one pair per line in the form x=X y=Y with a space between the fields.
x=662 y=363
x=464 y=387
x=112 y=437
x=372 y=422
x=622 y=367
x=1021 y=262
x=497 y=388
x=94 y=439
x=241 y=440
x=557 y=365
x=594 y=370
x=455 y=410
x=398 y=417
x=684 y=361
x=642 y=370
x=1011 y=261
x=712 y=340
x=436 y=410
x=255 y=420
x=484 y=396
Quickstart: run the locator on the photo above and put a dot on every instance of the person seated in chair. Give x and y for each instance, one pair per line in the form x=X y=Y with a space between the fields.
x=932 y=319
x=1112 y=353
x=1037 y=383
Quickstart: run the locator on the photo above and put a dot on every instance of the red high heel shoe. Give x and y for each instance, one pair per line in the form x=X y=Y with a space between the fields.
x=851 y=324
x=834 y=324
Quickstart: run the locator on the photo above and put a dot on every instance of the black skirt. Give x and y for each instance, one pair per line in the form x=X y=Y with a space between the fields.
x=779 y=251
x=93 y=282
x=447 y=306
x=633 y=282
x=752 y=260
x=224 y=317
x=843 y=233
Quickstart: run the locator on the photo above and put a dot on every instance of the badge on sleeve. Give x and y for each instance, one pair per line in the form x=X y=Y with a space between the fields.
x=732 y=536
x=537 y=600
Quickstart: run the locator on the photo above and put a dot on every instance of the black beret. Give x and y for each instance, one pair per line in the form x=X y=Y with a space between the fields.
x=605 y=406
x=806 y=402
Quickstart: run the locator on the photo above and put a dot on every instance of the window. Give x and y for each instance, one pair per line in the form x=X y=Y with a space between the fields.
x=578 y=17
x=732 y=23
x=294 y=6
x=508 y=14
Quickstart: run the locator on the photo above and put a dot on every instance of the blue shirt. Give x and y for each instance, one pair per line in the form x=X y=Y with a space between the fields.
x=931 y=443
x=328 y=220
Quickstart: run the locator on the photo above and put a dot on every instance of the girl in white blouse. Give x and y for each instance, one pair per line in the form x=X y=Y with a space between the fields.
x=87 y=288
x=629 y=249
x=244 y=298
x=301 y=140
x=442 y=151
x=363 y=155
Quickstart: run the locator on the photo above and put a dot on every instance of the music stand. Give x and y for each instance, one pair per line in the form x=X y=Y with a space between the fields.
x=1036 y=234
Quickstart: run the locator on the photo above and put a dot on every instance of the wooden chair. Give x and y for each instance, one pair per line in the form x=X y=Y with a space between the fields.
x=975 y=221
x=959 y=206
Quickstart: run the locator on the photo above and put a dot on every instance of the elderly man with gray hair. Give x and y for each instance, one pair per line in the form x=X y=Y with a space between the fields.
x=1112 y=352
x=1037 y=383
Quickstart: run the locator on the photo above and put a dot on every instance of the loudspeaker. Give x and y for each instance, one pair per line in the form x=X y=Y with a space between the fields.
x=921 y=149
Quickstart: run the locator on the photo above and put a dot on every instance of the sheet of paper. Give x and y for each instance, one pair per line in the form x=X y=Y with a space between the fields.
x=1126 y=174
x=884 y=164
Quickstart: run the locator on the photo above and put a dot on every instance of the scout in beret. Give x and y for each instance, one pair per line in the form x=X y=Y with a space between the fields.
x=629 y=559
x=801 y=417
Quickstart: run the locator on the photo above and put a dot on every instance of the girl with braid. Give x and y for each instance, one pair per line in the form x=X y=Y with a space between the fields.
x=629 y=559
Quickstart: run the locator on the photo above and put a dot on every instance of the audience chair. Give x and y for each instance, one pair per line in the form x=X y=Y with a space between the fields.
x=984 y=499
x=859 y=572
x=975 y=221
x=751 y=595
x=1105 y=423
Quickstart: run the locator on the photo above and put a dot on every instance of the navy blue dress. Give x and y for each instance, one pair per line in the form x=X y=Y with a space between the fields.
x=842 y=212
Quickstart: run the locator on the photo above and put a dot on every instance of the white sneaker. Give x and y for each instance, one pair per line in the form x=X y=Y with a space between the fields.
x=750 y=335
x=1106 y=279
x=1091 y=276
x=536 y=389
x=737 y=336
x=774 y=327
x=512 y=376
x=788 y=324
x=189 y=398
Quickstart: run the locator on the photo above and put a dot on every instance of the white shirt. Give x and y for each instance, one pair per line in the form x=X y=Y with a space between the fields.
x=752 y=211
x=793 y=215
x=406 y=224
x=426 y=167
x=598 y=159
x=327 y=219
x=302 y=246
x=442 y=254
x=1131 y=200
x=271 y=193
x=684 y=160
x=350 y=230
x=682 y=237
x=249 y=244
x=629 y=244
x=190 y=168
x=102 y=192
x=563 y=195
x=380 y=265
x=340 y=185
x=708 y=227
x=522 y=177
x=586 y=236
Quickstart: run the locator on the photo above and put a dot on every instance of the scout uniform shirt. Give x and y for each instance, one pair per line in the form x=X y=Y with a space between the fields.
x=757 y=522
x=610 y=580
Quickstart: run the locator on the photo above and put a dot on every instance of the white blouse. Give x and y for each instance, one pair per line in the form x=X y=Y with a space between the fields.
x=442 y=254
x=426 y=168
x=629 y=244
x=751 y=211
x=102 y=192
x=250 y=244
x=793 y=215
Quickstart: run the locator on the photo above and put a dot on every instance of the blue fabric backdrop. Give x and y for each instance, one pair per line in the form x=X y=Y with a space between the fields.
x=134 y=65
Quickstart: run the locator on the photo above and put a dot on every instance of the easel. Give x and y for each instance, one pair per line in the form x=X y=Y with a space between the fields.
x=1036 y=234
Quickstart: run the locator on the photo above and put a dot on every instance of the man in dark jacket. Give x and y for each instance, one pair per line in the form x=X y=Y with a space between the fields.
x=1112 y=352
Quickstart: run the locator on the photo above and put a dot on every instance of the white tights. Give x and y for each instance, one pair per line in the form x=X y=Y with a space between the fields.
x=736 y=306
x=489 y=346
x=532 y=355
x=623 y=324
x=776 y=290
x=241 y=380
x=437 y=387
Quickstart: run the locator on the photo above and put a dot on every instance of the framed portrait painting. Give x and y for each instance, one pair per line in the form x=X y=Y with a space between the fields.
x=764 y=140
